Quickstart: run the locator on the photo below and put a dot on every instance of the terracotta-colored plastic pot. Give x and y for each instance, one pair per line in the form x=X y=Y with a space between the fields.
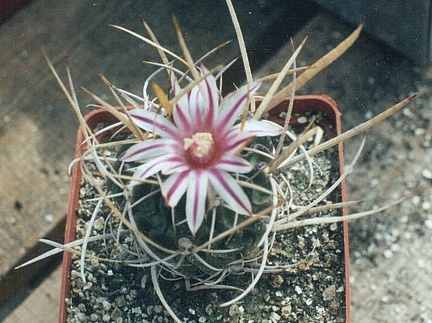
x=330 y=123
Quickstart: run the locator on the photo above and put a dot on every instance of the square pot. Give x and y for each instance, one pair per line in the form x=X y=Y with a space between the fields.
x=303 y=105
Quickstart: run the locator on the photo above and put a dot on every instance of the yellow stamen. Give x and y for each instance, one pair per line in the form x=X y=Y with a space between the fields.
x=200 y=144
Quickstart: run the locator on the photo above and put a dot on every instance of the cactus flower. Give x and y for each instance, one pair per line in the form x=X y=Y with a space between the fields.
x=196 y=149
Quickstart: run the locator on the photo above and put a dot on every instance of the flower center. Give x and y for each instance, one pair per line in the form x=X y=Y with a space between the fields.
x=200 y=145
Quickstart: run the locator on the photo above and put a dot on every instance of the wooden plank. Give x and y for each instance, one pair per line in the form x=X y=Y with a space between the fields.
x=33 y=195
x=41 y=305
